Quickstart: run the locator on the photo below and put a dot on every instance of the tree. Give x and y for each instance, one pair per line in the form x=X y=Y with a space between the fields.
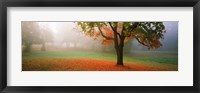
x=33 y=33
x=30 y=34
x=146 y=33
x=45 y=36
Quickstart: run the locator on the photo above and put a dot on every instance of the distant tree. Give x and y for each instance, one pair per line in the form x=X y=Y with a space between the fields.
x=33 y=33
x=30 y=34
x=146 y=33
x=67 y=40
x=45 y=36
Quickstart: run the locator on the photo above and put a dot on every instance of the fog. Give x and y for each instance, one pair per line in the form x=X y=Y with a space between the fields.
x=66 y=36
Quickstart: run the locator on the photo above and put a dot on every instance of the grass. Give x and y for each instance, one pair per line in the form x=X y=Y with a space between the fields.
x=165 y=60
x=157 y=61
x=69 y=54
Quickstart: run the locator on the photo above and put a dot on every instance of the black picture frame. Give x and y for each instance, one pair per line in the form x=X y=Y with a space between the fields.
x=100 y=3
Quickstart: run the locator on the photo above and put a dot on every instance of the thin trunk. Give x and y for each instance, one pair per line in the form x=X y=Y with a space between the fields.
x=43 y=48
x=28 y=47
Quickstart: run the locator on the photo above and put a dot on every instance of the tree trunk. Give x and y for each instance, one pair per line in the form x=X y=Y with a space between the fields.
x=120 y=57
x=117 y=49
x=119 y=45
x=28 y=47
x=43 y=48
x=120 y=52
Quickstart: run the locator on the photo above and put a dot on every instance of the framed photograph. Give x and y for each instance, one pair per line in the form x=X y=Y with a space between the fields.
x=99 y=46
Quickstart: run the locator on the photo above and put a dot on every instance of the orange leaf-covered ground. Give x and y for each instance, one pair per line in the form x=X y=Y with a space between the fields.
x=86 y=64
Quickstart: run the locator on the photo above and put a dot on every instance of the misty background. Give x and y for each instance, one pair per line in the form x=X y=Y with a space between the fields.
x=65 y=36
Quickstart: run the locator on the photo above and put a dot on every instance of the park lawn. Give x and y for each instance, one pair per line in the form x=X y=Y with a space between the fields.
x=94 y=61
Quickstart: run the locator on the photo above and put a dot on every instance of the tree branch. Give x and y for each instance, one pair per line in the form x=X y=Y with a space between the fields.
x=122 y=37
x=108 y=38
x=116 y=42
x=113 y=29
x=132 y=29
x=141 y=42
x=127 y=35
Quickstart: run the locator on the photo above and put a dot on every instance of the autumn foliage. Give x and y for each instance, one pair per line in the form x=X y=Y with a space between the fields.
x=109 y=33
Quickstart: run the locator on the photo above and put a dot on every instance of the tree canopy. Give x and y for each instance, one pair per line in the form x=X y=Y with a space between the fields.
x=146 y=33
